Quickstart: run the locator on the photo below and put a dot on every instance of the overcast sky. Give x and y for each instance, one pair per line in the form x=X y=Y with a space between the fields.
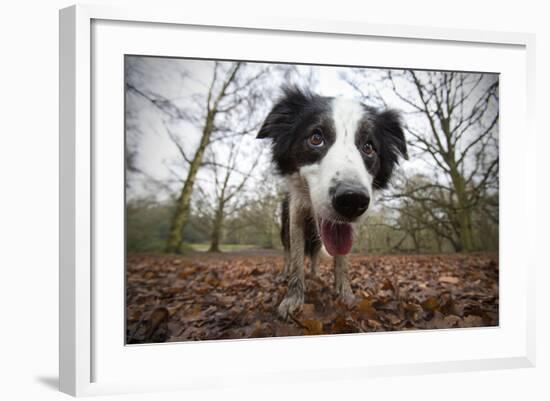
x=185 y=82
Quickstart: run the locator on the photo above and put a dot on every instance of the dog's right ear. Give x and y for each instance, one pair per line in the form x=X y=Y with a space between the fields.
x=284 y=114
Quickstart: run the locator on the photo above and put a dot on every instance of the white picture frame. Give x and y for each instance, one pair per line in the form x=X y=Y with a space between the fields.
x=96 y=361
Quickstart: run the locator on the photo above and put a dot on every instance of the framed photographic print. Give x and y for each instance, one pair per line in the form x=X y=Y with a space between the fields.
x=241 y=191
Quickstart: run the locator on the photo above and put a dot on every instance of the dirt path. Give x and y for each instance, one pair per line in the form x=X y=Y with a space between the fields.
x=235 y=295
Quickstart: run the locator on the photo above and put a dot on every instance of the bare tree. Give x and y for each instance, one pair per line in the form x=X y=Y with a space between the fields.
x=214 y=99
x=258 y=219
x=231 y=94
x=452 y=123
x=229 y=180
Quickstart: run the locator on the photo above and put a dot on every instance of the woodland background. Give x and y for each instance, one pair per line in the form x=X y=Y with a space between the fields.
x=197 y=178
x=203 y=204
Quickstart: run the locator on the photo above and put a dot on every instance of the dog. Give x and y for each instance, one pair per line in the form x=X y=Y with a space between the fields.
x=333 y=155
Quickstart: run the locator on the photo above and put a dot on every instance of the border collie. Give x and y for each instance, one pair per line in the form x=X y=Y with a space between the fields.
x=333 y=154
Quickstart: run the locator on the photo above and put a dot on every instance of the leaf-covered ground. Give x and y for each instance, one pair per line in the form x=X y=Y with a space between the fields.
x=235 y=295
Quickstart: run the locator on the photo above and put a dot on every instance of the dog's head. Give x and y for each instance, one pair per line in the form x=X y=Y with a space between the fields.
x=341 y=150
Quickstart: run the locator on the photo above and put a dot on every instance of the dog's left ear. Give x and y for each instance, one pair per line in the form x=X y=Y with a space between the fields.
x=389 y=131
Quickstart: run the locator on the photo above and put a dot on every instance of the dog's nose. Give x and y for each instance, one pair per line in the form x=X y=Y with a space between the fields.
x=350 y=201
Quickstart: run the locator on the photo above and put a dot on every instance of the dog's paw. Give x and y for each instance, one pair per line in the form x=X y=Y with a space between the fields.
x=345 y=295
x=284 y=274
x=313 y=273
x=290 y=304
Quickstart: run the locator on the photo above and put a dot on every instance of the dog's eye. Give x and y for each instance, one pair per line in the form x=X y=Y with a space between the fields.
x=368 y=149
x=316 y=140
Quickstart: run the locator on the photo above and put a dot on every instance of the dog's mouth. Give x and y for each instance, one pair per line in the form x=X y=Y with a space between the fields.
x=337 y=237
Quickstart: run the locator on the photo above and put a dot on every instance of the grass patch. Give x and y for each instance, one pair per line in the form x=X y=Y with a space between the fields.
x=203 y=247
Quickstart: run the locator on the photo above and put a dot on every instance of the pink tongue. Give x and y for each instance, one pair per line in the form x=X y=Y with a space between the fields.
x=338 y=238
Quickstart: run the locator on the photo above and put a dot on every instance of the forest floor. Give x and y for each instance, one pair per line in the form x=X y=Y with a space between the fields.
x=231 y=295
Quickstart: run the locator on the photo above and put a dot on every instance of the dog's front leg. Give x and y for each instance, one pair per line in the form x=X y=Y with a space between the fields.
x=285 y=273
x=315 y=261
x=341 y=281
x=294 y=297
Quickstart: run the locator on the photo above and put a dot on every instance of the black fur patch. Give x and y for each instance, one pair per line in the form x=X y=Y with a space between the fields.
x=389 y=134
x=382 y=129
x=289 y=124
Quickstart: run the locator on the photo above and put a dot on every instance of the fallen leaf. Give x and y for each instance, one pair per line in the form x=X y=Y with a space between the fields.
x=312 y=327
x=431 y=304
x=448 y=279
x=365 y=310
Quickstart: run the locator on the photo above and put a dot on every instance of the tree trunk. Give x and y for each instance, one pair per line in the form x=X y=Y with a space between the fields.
x=416 y=243
x=464 y=212
x=217 y=230
x=438 y=242
x=175 y=238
